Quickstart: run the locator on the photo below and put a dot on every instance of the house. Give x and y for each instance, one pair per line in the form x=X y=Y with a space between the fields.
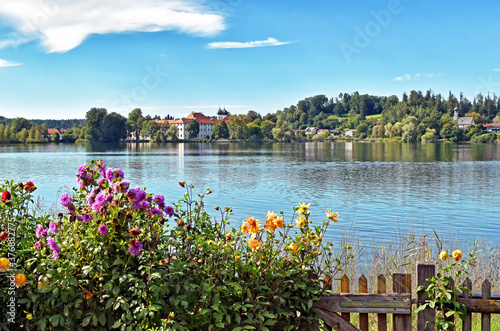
x=321 y=131
x=494 y=127
x=463 y=122
x=311 y=130
x=52 y=131
x=350 y=133
x=206 y=125
x=222 y=114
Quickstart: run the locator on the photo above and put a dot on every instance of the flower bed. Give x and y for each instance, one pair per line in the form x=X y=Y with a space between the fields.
x=121 y=258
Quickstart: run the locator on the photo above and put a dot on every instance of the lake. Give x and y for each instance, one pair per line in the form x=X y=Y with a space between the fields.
x=378 y=188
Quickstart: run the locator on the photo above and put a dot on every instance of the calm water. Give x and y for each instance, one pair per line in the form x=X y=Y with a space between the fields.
x=377 y=187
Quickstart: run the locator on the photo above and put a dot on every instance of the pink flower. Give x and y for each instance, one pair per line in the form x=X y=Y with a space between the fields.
x=103 y=229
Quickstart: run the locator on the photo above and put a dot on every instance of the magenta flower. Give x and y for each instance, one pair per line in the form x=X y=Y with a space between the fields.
x=40 y=231
x=144 y=205
x=156 y=211
x=53 y=227
x=103 y=229
x=53 y=245
x=66 y=200
x=120 y=187
x=112 y=174
x=38 y=245
x=159 y=199
x=170 y=211
x=85 y=218
x=135 y=247
x=54 y=255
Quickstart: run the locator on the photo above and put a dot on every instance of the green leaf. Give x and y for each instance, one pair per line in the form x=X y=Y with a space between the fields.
x=102 y=319
x=118 y=261
x=86 y=321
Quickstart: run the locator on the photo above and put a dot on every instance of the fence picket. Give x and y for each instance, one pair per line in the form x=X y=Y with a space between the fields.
x=486 y=317
x=381 y=288
x=467 y=324
x=345 y=288
x=401 y=283
x=425 y=319
x=363 y=288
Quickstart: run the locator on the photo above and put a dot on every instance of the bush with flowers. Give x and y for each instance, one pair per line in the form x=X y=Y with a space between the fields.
x=121 y=258
x=443 y=290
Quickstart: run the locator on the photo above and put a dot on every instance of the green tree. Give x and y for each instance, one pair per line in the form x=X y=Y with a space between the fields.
x=32 y=134
x=429 y=136
x=23 y=135
x=171 y=133
x=159 y=137
x=20 y=123
x=193 y=128
x=362 y=129
x=95 y=118
x=114 y=128
x=409 y=129
x=149 y=129
x=135 y=122
x=497 y=119
x=397 y=129
x=282 y=132
x=267 y=128
x=55 y=137
x=220 y=130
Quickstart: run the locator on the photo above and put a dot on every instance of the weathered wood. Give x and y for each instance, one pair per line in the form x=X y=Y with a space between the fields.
x=486 y=317
x=451 y=318
x=345 y=288
x=401 y=283
x=425 y=318
x=335 y=321
x=485 y=306
x=363 y=317
x=367 y=303
x=467 y=324
x=381 y=288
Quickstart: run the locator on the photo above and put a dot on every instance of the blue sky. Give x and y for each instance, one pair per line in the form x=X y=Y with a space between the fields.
x=59 y=58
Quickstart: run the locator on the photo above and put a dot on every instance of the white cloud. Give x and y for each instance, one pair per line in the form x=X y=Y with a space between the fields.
x=5 y=63
x=496 y=69
x=248 y=44
x=64 y=25
x=418 y=76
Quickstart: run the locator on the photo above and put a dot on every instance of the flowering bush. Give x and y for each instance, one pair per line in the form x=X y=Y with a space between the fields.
x=121 y=258
x=442 y=289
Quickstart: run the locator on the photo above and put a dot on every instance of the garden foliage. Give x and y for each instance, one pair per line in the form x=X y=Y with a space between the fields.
x=121 y=258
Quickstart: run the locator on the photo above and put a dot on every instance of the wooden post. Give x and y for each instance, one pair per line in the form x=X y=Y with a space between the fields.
x=363 y=318
x=486 y=317
x=467 y=324
x=345 y=288
x=381 y=288
x=425 y=319
x=329 y=286
x=401 y=283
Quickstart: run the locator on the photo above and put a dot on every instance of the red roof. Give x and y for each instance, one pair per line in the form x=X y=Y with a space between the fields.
x=200 y=118
x=51 y=131
x=492 y=125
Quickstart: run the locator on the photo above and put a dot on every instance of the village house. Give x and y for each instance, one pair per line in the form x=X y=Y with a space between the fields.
x=489 y=128
x=350 y=133
x=463 y=122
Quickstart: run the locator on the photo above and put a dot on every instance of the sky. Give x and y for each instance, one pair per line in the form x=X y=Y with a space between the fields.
x=59 y=58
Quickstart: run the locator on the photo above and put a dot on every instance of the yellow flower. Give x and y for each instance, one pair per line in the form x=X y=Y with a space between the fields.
x=4 y=264
x=271 y=221
x=332 y=216
x=20 y=280
x=293 y=247
x=300 y=221
x=29 y=317
x=457 y=255
x=303 y=208
x=254 y=244
x=443 y=255
x=41 y=285
x=251 y=225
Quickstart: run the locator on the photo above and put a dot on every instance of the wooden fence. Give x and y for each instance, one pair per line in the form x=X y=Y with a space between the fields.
x=399 y=304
